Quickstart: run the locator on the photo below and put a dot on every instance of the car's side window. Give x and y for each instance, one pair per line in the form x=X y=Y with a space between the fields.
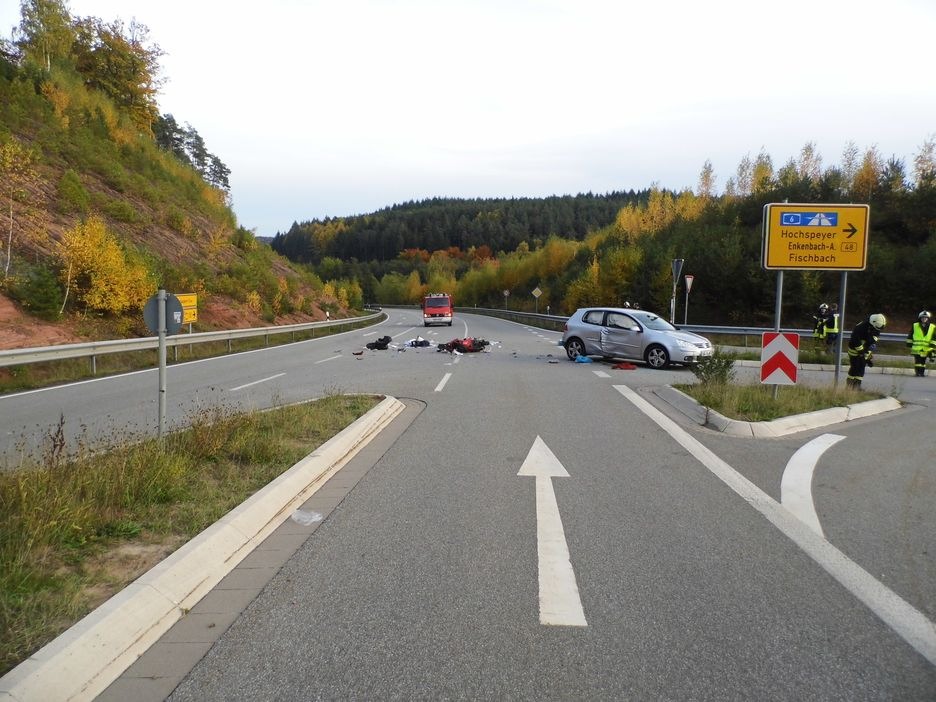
x=618 y=321
x=594 y=317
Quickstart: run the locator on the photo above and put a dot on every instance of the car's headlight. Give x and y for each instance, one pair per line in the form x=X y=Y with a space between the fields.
x=685 y=345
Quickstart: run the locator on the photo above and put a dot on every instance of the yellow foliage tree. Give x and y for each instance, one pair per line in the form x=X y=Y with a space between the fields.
x=103 y=275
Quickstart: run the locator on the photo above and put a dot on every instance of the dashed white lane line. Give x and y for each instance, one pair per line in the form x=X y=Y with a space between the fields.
x=796 y=483
x=601 y=374
x=445 y=379
x=907 y=621
x=257 y=382
x=326 y=360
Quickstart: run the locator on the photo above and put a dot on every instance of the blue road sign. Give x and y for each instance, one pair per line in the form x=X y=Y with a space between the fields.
x=809 y=219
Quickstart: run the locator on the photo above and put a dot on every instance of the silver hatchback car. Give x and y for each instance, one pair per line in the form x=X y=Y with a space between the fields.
x=613 y=332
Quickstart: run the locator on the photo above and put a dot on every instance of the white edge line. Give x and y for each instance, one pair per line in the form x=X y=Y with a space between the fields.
x=899 y=615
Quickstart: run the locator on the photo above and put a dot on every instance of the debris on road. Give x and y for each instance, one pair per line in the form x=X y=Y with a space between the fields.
x=466 y=345
x=380 y=344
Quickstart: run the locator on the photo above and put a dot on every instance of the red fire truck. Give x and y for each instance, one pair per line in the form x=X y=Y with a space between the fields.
x=437 y=308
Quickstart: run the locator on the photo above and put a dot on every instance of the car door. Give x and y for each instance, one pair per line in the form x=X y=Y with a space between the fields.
x=620 y=336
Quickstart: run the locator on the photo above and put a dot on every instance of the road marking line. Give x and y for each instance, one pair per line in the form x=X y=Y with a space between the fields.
x=559 y=600
x=796 y=483
x=256 y=382
x=326 y=360
x=601 y=374
x=899 y=615
x=442 y=382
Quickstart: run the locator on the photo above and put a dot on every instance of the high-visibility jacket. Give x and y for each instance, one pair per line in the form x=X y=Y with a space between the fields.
x=829 y=324
x=920 y=339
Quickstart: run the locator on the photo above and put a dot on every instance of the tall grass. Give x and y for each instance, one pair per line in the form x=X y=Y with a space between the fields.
x=60 y=516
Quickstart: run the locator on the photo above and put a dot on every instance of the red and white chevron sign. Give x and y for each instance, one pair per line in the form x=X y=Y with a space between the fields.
x=779 y=358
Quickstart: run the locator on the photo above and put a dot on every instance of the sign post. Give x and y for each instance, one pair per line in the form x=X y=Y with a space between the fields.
x=536 y=294
x=163 y=315
x=823 y=237
x=688 y=279
x=677 y=269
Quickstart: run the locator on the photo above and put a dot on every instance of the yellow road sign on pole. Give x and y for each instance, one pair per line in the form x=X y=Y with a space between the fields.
x=189 y=307
x=815 y=237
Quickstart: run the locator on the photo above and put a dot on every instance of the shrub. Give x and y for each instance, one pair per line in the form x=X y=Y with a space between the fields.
x=72 y=194
x=715 y=369
x=39 y=292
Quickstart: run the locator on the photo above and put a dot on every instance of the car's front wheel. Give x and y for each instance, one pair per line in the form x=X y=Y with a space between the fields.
x=574 y=347
x=657 y=357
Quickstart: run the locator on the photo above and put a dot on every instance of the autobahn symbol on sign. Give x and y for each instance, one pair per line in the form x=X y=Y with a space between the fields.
x=779 y=358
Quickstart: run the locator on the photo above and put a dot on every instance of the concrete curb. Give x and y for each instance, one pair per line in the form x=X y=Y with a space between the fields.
x=83 y=661
x=778 y=427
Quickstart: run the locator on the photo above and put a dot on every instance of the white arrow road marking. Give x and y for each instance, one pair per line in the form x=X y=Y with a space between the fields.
x=560 y=604
x=256 y=382
x=898 y=614
x=796 y=483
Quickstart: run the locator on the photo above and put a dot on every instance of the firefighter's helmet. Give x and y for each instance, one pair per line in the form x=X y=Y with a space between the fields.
x=878 y=321
x=924 y=315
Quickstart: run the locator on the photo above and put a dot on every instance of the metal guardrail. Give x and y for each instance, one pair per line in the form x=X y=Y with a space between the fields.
x=558 y=321
x=16 y=357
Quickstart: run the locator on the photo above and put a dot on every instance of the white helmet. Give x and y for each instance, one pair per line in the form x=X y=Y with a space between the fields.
x=823 y=307
x=923 y=314
x=878 y=321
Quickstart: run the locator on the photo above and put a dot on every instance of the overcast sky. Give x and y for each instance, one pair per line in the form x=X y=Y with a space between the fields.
x=342 y=107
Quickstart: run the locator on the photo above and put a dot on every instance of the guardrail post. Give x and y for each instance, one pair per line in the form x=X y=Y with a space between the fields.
x=229 y=346
x=94 y=365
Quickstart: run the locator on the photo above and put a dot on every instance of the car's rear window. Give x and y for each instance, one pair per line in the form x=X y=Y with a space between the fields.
x=593 y=317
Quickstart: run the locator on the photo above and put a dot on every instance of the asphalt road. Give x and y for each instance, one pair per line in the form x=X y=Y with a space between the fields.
x=427 y=581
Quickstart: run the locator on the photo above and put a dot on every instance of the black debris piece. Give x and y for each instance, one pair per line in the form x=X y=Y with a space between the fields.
x=379 y=345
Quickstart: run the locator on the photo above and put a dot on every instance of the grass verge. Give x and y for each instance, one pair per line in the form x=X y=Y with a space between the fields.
x=74 y=532
x=756 y=403
x=718 y=391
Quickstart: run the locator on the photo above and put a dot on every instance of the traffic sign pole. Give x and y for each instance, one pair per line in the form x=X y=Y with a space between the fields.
x=161 y=297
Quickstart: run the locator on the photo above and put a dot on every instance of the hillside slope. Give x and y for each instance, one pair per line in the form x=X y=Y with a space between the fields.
x=69 y=157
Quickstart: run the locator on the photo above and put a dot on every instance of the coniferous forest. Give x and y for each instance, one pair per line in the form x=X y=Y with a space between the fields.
x=608 y=249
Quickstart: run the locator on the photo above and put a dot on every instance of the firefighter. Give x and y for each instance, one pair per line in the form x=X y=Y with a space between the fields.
x=826 y=327
x=861 y=345
x=921 y=342
x=819 y=319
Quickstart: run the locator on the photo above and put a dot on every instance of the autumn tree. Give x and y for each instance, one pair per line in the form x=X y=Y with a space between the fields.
x=103 y=275
x=16 y=173
x=119 y=62
x=706 y=187
x=46 y=33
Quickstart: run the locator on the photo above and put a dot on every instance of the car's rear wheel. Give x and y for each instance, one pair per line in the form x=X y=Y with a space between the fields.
x=574 y=347
x=657 y=357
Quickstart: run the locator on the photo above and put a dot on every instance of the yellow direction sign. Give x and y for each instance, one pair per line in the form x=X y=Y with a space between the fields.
x=189 y=307
x=815 y=237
